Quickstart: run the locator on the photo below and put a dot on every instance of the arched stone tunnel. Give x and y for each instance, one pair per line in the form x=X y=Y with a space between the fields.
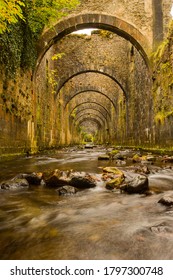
x=99 y=84
x=110 y=67
x=103 y=68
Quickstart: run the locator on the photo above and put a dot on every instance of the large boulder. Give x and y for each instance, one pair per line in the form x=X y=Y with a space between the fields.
x=139 y=184
x=81 y=181
x=55 y=179
x=32 y=178
x=14 y=184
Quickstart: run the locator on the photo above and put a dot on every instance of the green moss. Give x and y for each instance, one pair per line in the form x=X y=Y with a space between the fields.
x=115 y=183
x=114 y=152
x=73 y=114
x=160 y=117
x=106 y=34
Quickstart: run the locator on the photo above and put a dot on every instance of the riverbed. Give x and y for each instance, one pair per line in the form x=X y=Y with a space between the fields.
x=37 y=223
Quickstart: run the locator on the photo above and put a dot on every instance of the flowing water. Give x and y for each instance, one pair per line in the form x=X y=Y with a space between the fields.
x=37 y=223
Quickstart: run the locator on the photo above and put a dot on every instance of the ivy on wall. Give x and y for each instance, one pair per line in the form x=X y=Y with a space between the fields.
x=21 y=24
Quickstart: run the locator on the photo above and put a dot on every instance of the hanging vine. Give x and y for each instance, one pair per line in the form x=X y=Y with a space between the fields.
x=21 y=24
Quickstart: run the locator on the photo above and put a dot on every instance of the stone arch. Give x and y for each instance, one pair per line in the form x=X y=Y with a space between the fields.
x=91 y=119
x=94 y=20
x=90 y=103
x=89 y=111
x=85 y=91
x=109 y=72
x=103 y=121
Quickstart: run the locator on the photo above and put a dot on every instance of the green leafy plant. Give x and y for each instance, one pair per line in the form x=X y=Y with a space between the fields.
x=10 y=13
x=21 y=24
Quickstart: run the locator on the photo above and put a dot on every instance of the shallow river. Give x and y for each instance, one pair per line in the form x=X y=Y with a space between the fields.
x=37 y=223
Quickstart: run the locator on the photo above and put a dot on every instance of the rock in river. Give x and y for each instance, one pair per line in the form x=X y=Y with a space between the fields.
x=55 y=179
x=83 y=182
x=116 y=176
x=103 y=157
x=32 y=178
x=67 y=190
x=139 y=184
x=167 y=200
x=14 y=184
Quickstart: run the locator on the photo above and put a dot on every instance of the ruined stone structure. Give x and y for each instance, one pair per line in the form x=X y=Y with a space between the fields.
x=99 y=84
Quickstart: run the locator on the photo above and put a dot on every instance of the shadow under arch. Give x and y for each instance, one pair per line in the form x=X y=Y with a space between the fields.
x=92 y=115
x=83 y=71
x=94 y=20
x=91 y=119
x=92 y=109
x=91 y=102
x=91 y=90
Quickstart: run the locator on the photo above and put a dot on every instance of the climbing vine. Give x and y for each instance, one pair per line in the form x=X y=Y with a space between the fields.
x=10 y=12
x=20 y=27
x=163 y=80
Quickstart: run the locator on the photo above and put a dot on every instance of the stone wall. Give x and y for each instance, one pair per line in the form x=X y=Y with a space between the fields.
x=163 y=92
x=103 y=68
x=109 y=65
x=16 y=114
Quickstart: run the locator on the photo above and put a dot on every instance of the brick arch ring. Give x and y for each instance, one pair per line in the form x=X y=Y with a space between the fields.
x=92 y=116
x=93 y=20
x=109 y=72
x=89 y=111
x=90 y=104
x=98 y=122
x=89 y=90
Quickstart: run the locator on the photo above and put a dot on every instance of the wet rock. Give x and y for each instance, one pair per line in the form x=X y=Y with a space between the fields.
x=151 y=158
x=139 y=184
x=67 y=190
x=55 y=179
x=14 y=184
x=166 y=200
x=103 y=157
x=33 y=178
x=142 y=169
x=167 y=159
x=114 y=183
x=113 y=176
x=83 y=182
x=137 y=158
x=112 y=170
x=145 y=159
x=114 y=154
x=119 y=156
x=89 y=146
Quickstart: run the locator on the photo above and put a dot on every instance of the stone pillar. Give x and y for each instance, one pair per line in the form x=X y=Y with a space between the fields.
x=157 y=22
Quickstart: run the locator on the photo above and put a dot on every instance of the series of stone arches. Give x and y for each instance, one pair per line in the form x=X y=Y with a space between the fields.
x=118 y=113
x=94 y=20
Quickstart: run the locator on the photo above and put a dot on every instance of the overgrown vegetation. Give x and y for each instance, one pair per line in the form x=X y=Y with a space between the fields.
x=163 y=80
x=21 y=24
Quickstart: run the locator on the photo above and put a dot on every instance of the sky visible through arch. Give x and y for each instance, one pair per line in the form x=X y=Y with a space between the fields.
x=85 y=31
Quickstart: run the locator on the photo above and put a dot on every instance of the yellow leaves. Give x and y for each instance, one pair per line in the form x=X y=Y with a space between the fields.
x=10 y=11
x=57 y=56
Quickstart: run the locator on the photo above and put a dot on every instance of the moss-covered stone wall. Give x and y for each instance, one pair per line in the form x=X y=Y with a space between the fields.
x=16 y=113
x=163 y=91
